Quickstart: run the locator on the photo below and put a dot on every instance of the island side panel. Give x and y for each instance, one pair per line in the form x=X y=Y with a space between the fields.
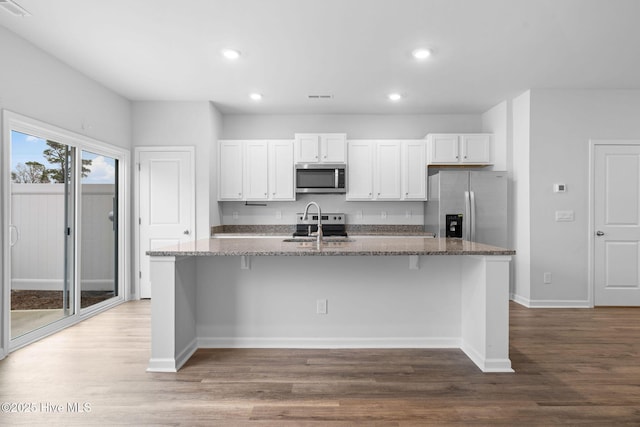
x=373 y=301
x=485 y=312
x=173 y=339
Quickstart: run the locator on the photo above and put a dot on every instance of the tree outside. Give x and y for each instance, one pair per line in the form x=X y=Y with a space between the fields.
x=33 y=172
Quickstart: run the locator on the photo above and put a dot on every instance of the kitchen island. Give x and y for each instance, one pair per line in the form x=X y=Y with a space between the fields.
x=361 y=292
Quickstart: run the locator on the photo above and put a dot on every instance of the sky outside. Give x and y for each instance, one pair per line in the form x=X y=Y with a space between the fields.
x=26 y=148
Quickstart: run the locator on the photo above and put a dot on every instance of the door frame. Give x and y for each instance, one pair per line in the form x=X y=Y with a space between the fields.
x=593 y=143
x=136 y=204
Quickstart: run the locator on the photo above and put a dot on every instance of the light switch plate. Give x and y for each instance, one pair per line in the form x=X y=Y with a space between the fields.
x=559 y=188
x=565 y=216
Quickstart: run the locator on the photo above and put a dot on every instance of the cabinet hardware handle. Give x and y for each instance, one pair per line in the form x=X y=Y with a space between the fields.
x=185 y=232
x=599 y=233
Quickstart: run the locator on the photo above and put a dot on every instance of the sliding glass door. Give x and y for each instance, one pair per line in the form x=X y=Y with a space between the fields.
x=63 y=211
x=41 y=232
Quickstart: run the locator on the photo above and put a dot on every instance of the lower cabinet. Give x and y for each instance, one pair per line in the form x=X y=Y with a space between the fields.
x=386 y=170
x=256 y=170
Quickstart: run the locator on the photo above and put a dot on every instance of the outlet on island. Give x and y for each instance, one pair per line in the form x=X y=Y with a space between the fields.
x=321 y=306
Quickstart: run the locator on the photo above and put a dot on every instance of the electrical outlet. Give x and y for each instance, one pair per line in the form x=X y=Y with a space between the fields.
x=546 y=278
x=359 y=214
x=407 y=214
x=278 y=214
x=321 y=306
x=235 y=215
x=383 y=215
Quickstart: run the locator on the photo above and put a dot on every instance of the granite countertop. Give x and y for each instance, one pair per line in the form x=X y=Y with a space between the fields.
x=358 y=246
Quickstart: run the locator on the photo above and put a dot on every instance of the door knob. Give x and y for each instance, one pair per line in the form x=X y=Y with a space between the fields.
x=186 y=232
x=599 y=233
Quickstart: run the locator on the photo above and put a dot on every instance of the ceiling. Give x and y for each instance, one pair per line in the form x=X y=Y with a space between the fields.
x=357 y=51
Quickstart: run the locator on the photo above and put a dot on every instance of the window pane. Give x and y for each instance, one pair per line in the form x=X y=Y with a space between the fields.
x=99 y=226
x=41 y=247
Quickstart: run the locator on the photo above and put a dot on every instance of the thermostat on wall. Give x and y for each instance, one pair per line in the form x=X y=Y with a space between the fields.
x=559 y=188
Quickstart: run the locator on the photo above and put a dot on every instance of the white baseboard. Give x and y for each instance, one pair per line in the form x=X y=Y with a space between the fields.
x=325 y=343
x=168 y=364
x=529 y=303
x=486 y=365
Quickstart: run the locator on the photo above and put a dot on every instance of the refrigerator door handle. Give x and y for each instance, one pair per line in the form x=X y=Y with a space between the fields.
x=467 y=217
x=472 y=197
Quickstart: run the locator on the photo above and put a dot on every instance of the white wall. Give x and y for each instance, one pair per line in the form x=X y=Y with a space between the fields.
x=356 y=126
x=562 y=122
x=496 y=121
x=37 y=85
x=521 y=229
x=183 y=124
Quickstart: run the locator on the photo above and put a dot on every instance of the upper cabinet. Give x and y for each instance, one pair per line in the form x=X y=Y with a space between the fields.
x=256 y=170
x=320 y=147
x=230 y=170
x=386 y=170
x=465 y=148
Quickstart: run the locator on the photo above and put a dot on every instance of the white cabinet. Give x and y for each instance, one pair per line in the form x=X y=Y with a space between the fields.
x=320 y=147
x=386 y=170
x=230 y=161
x=387 y=180
x=360 y=170
x=256 y=170
x=414 y=169
x=466 y=148
x=281 y=172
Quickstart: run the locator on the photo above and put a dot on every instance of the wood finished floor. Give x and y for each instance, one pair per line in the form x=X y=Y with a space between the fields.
x=573 y=367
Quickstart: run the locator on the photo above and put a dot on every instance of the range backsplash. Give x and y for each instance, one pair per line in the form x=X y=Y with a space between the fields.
x=283 y=213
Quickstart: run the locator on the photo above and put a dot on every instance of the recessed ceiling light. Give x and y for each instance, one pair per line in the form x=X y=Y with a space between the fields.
x=256 y=96
x=231 y=54
x=394 y=97
x=421 y=54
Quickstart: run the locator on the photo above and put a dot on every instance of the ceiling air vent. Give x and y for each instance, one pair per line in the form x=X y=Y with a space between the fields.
x=13 y=8
x=320 y=96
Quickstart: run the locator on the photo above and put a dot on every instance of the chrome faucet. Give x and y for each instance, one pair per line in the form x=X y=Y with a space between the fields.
x=306 y=215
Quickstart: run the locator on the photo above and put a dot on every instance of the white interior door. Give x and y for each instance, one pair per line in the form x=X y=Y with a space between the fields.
x=166 y=204
x=616 y=225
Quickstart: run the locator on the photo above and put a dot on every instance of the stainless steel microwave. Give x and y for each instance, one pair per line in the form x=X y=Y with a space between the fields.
x=321 y=178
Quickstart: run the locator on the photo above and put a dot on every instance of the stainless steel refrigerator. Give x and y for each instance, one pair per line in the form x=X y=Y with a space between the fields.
x=468 y=204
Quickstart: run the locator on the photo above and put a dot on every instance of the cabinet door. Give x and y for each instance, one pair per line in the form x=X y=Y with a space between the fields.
x=256 y=171
x=476 y=148
x=333 y=147
x=230 y=170
x=307 y=148
x=414 y=168
x=281 y=170
x=444 y=149
x=360 y=170
x=387 y=171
